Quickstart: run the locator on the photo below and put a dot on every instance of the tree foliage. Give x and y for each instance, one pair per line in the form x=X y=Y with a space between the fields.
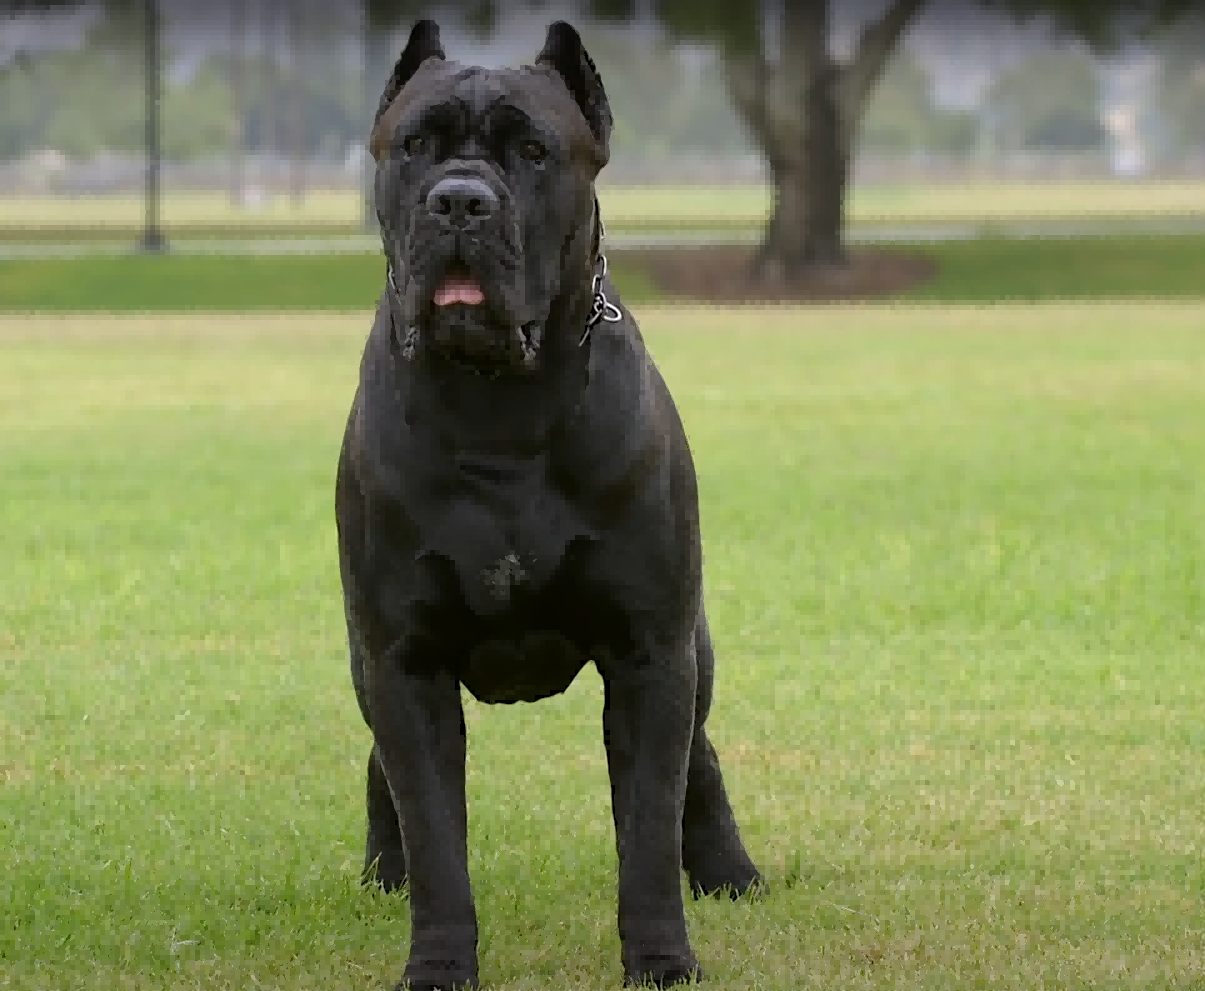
x=1180 y=84
x=82 y=100
x=902 y=115
x=1104 y=24
x=1050 y=101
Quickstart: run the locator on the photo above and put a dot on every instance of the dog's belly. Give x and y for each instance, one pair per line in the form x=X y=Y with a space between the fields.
x=523 y=668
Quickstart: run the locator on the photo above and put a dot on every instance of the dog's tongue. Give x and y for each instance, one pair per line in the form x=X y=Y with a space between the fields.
x=458 y=289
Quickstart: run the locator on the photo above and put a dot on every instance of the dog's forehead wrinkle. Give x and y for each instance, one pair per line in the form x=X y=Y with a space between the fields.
x=536 y=91
x=478 y=89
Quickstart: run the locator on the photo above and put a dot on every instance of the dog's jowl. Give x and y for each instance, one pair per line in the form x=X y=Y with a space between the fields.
x=516 y=498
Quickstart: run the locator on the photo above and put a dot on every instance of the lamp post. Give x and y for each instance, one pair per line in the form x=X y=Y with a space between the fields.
x=153 y=240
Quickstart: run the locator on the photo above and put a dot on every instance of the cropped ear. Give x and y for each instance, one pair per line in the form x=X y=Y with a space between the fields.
x=423 y=44
x=565 y=54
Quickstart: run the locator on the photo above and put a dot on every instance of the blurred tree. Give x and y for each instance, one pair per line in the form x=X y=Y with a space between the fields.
x=46 y=107
x=1048 y=101
x=805 y=107
x=802 y=105
x=692 y=112
x=82 y=100
x=902 y=115
x=1180 y=85
x=128 y=19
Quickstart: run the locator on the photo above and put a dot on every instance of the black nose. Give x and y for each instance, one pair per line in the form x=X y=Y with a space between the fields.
x=462 y=201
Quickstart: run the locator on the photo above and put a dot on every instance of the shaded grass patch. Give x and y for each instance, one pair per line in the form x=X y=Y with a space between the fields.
x=984 y=270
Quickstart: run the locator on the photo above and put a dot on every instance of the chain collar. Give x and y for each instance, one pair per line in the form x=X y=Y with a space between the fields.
x=601 y=308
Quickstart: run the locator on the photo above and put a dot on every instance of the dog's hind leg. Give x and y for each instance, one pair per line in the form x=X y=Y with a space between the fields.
x=712 y=852
x=385 y=850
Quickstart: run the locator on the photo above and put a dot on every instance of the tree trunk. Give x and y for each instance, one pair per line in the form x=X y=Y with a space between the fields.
x=804 y=111
x=807 y=226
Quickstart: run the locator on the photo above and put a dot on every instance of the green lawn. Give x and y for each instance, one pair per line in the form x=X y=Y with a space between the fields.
x=956 y=572
x=968 y=271
x=42 y=217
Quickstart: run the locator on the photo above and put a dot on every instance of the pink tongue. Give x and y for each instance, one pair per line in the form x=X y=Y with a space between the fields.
x=458 y=291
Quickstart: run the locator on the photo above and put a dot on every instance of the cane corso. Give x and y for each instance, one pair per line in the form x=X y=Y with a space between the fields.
x=515 y=498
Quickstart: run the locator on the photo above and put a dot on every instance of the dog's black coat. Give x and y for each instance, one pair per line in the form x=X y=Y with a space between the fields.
x=515 y=497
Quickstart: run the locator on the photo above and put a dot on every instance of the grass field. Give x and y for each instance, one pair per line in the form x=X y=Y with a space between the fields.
x=632 y=208
x=981 y=270
x=956 y=572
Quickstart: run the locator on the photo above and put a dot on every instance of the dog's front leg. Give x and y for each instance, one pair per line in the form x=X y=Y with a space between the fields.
x=419 y=733
x=648 y=718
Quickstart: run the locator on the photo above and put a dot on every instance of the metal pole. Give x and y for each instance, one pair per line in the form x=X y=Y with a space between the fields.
x=267 y=139
x=153 y=240
x=297 y=96
x=238 y=103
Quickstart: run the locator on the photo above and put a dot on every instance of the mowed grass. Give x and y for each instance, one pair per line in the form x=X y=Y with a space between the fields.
x=626 y=208
x=974 y=201
x=981 y=270
x=956 y=575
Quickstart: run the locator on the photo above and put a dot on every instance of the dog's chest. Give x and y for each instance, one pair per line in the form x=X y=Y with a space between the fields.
x=505 y=527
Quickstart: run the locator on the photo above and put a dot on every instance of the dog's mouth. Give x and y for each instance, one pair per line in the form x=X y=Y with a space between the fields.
x=458 y=286
x=472 y=330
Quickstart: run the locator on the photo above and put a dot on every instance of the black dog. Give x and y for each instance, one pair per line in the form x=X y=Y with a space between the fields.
x=516 y=497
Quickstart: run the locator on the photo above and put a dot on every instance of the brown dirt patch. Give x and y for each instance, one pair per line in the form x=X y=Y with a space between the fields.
x=723 y=274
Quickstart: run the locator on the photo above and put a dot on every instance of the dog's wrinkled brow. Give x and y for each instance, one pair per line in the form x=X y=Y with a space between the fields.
x=457 y=117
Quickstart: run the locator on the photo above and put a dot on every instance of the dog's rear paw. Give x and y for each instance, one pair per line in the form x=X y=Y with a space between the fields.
x=717 y=874
x=734 y=884
x=387 y=870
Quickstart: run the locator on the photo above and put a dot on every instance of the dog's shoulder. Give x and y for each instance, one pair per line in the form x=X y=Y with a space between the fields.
x=625 y=385
x=379 y=400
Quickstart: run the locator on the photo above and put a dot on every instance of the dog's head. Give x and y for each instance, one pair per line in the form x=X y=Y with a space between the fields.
x=485 y=197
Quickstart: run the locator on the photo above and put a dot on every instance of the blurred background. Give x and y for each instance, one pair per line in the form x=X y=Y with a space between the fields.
x=801 y=129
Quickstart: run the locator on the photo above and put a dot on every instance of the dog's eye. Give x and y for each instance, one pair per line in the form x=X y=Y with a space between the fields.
x=414 y=145
x=533 y=151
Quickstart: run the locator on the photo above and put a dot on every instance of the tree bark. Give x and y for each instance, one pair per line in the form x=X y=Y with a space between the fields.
x=804 y=111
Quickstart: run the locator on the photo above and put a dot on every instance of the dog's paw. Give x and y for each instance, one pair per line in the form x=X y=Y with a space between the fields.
x=716 y=880
x=662 y=971
x=438 y=975
x=441 y=959
x=658 y=953
x=418 y=984
x=718 y=867
x=387 y=871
